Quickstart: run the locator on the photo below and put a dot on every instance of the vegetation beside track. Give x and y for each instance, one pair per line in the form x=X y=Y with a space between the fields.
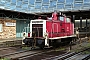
x=76 y=47
x=5 y=59
x=79 y=47
x=11 y=43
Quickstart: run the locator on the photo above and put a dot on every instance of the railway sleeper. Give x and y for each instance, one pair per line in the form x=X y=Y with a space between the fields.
x=87 y=57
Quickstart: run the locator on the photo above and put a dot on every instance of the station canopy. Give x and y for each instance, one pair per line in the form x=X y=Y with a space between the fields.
x=41 y=6
x=69 y=7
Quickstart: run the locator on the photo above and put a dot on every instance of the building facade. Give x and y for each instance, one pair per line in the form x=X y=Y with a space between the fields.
x=7 y=28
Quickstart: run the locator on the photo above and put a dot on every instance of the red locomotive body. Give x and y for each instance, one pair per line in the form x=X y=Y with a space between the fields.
x=50 y=32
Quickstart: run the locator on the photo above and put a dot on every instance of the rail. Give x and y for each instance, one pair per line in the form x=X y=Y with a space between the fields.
x=70 y=56
x=23 y=54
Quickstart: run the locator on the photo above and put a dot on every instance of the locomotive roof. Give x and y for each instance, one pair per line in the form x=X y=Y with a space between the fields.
x=45 y=20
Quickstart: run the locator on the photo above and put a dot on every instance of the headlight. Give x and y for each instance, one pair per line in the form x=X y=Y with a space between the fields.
x=45 y=34
x=24 y=34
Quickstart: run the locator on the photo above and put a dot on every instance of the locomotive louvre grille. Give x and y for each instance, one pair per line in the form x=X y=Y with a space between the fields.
x=37 y=21
x=37 y=29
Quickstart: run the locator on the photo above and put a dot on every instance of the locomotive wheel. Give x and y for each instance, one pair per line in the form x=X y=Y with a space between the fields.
x=41 y=46
x=25 y=41
x=32 y=48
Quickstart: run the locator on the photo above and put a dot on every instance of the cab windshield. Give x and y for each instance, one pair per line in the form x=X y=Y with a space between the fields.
x=67 y=20
x=61 y=18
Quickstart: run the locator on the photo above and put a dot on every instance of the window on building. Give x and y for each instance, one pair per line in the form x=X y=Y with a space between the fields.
x=7 y=0
x=45 y=1
x=24 y=6
x=13 y=1
x=7 y=5
x=31 y=2
x=31 y=8
x=19 y=3
x=78 y=1
x=25 y=1
x=86 y=4
x=52 y=4
x=12 y=7
x=86 y=1
x=60 y=6
x=2 y=2
x=61 y=1
x=0 y=27
x=77 y=6
x=69 y=1
x=37 y=5
x=38 y=0
x=68 y=6
x=45 y=7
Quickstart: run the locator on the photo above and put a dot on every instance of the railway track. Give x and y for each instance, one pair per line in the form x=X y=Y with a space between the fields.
x=13 y=53
x=30 y=55
x=71 y=56
x=64 y=56
x=1 y=49
x=7 y=50
x=10 y=43
x=21 y=55
x=78 y=57
x=24 y=55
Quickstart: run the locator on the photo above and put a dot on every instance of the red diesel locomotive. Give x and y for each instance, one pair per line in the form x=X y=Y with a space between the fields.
x=50 y=32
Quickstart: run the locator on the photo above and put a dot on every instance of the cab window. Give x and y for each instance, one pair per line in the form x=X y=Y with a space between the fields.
x=61 y=18
x=68 y=20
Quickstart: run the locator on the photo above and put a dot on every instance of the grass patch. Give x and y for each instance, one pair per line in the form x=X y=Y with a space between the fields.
x=81 y=47
x=86 y=52
x=60 y=49
x=88 y=45
x=26 y=48
x=4 y=59
x=76 y=50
